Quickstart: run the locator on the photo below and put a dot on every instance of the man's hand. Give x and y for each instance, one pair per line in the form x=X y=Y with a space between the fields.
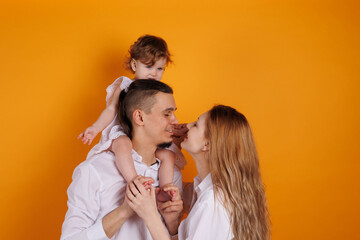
x=171 y=210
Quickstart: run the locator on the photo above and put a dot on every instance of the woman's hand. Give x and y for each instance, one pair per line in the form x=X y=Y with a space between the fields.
x=143 y=202
x=146 y=182
x=140 y=200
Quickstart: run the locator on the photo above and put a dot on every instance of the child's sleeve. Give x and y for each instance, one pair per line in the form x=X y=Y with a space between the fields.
x=123 y=82
x=115 y=132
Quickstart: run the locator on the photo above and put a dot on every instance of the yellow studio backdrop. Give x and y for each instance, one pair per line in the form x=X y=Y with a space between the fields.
x=292 y=67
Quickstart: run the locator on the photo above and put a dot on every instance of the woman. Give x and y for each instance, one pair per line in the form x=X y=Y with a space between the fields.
x=229 y=200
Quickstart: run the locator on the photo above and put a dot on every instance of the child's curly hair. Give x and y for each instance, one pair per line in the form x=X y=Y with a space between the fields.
x=148 y=49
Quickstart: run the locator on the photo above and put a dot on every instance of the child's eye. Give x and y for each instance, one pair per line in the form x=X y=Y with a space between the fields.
x=160 y=69
x=195 y=124
x=148 y=66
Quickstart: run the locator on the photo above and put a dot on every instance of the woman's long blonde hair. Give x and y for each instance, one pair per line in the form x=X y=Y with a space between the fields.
x=235 y=172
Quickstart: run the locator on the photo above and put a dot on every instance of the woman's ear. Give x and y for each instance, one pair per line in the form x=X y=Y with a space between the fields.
x=138 y=117
x=133 y=65
x=206 y=147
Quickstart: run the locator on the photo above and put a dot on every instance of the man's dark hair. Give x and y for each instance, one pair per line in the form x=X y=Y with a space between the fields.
x=140 y=95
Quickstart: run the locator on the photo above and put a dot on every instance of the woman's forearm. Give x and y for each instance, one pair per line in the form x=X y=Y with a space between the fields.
x=156 y=228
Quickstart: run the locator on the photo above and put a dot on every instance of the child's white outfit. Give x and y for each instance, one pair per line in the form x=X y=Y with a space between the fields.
x=114 y=129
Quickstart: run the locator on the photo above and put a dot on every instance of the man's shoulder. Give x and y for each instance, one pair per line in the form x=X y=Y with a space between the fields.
x=99 y=163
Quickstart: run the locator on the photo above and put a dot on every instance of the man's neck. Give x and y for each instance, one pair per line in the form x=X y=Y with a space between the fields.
x=145 y=150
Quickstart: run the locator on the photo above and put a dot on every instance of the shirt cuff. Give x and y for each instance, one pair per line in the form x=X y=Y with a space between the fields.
x=96 y=231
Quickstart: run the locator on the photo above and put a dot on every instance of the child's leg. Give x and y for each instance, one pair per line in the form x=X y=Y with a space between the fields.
x=122 y=147
x=166 y=172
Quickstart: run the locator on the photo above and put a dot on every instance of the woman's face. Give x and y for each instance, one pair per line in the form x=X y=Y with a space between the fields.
x=195 y=141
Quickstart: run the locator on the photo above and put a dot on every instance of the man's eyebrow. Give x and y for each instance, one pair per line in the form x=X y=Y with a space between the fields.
x=170 y=109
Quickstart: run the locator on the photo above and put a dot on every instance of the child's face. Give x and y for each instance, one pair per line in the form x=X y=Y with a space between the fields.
x=143 y=71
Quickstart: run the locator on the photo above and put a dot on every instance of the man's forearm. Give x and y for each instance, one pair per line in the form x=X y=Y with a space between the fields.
x=173 y=226
x=113 y=221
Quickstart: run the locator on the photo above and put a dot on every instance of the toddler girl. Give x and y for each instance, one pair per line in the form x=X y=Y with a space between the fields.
x=149 y=56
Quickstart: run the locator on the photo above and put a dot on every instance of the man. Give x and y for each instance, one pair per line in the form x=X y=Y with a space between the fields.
x=97 y=209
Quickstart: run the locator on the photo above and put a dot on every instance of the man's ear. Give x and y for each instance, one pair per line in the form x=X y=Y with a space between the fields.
x=206 y=147
x=138 y=117
x=133 y=65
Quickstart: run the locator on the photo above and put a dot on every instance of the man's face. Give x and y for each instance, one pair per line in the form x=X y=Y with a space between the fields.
x=159 y=123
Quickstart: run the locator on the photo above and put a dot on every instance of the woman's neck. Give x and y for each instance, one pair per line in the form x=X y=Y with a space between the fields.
x=202 y=164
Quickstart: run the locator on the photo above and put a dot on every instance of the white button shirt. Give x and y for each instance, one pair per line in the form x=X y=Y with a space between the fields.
x=207 y=218
x=97 y=189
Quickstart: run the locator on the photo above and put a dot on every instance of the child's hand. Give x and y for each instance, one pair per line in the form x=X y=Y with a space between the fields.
x=88 y=135
x=180 y=131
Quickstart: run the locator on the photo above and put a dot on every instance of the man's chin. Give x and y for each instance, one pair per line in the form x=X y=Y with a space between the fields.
x=164 y=145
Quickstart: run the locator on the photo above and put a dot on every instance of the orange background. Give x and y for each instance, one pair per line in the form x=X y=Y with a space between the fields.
x=292 y=67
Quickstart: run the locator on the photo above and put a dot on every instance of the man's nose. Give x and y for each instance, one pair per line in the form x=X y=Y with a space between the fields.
x=174 y=120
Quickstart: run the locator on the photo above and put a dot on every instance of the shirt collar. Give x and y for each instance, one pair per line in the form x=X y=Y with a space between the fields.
x=138 y=158
x=201 y=186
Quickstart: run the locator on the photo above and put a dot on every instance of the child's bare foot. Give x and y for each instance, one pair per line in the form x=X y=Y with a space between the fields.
x=164 y=196
x=147 y=184
x=145 y=181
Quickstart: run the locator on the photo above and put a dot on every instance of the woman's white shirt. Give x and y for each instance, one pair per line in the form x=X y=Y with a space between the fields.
x=207 y=219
